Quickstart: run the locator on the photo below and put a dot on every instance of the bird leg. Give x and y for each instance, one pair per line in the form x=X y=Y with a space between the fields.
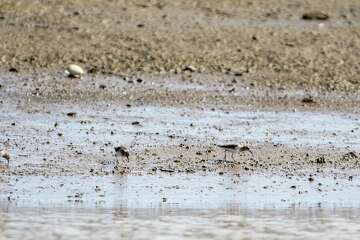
x=232 y=156
x=225 y=155
x=117 y=163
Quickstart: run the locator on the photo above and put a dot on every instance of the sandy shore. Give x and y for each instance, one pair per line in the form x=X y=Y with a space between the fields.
x=264 y=43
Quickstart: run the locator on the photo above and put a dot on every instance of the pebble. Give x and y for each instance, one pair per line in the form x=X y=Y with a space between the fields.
x=74 y=71
x=71 y=114
x=136 y=123
x=190 y=68
x=308 y=99
x=315 y=15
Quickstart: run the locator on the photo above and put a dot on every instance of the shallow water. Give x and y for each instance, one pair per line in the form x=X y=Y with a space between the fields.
x=173 y=207
x=180 y=191
x=315 y=129
x=290 y=223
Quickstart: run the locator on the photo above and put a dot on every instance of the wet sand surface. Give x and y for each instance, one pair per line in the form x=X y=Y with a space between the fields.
x=170 y=81
x=300 y=181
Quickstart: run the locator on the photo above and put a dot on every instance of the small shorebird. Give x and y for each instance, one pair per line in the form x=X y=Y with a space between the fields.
x=121 y=151
x=6 y=155
x=234 y=148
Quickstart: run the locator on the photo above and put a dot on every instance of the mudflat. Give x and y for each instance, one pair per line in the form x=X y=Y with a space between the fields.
x=170 y=81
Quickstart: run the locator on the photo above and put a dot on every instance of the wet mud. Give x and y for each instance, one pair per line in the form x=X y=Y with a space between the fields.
x=303 y=155
x=131 y=149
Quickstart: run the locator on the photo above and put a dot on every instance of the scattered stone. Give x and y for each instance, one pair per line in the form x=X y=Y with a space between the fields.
x=136 y=123
x=320 y=160
x=139 y=80
x=167 y=170
x=71 y=114
x=102 y=86
x=190 y=68
x=315 y=15
x=74 y=71
x=232 y=90
x=349 y=155
x=13 y=70
x=93 y=70
x=308 y=100
x=293 y=187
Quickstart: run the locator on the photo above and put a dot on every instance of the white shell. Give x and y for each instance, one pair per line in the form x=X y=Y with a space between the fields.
x=74 y=71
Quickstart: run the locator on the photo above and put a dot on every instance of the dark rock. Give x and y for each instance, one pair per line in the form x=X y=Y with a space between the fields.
x=189 y=69
x=320 y=160
x=136 y=123
x=308 y=100
x=71 y=114
x=315 y=15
